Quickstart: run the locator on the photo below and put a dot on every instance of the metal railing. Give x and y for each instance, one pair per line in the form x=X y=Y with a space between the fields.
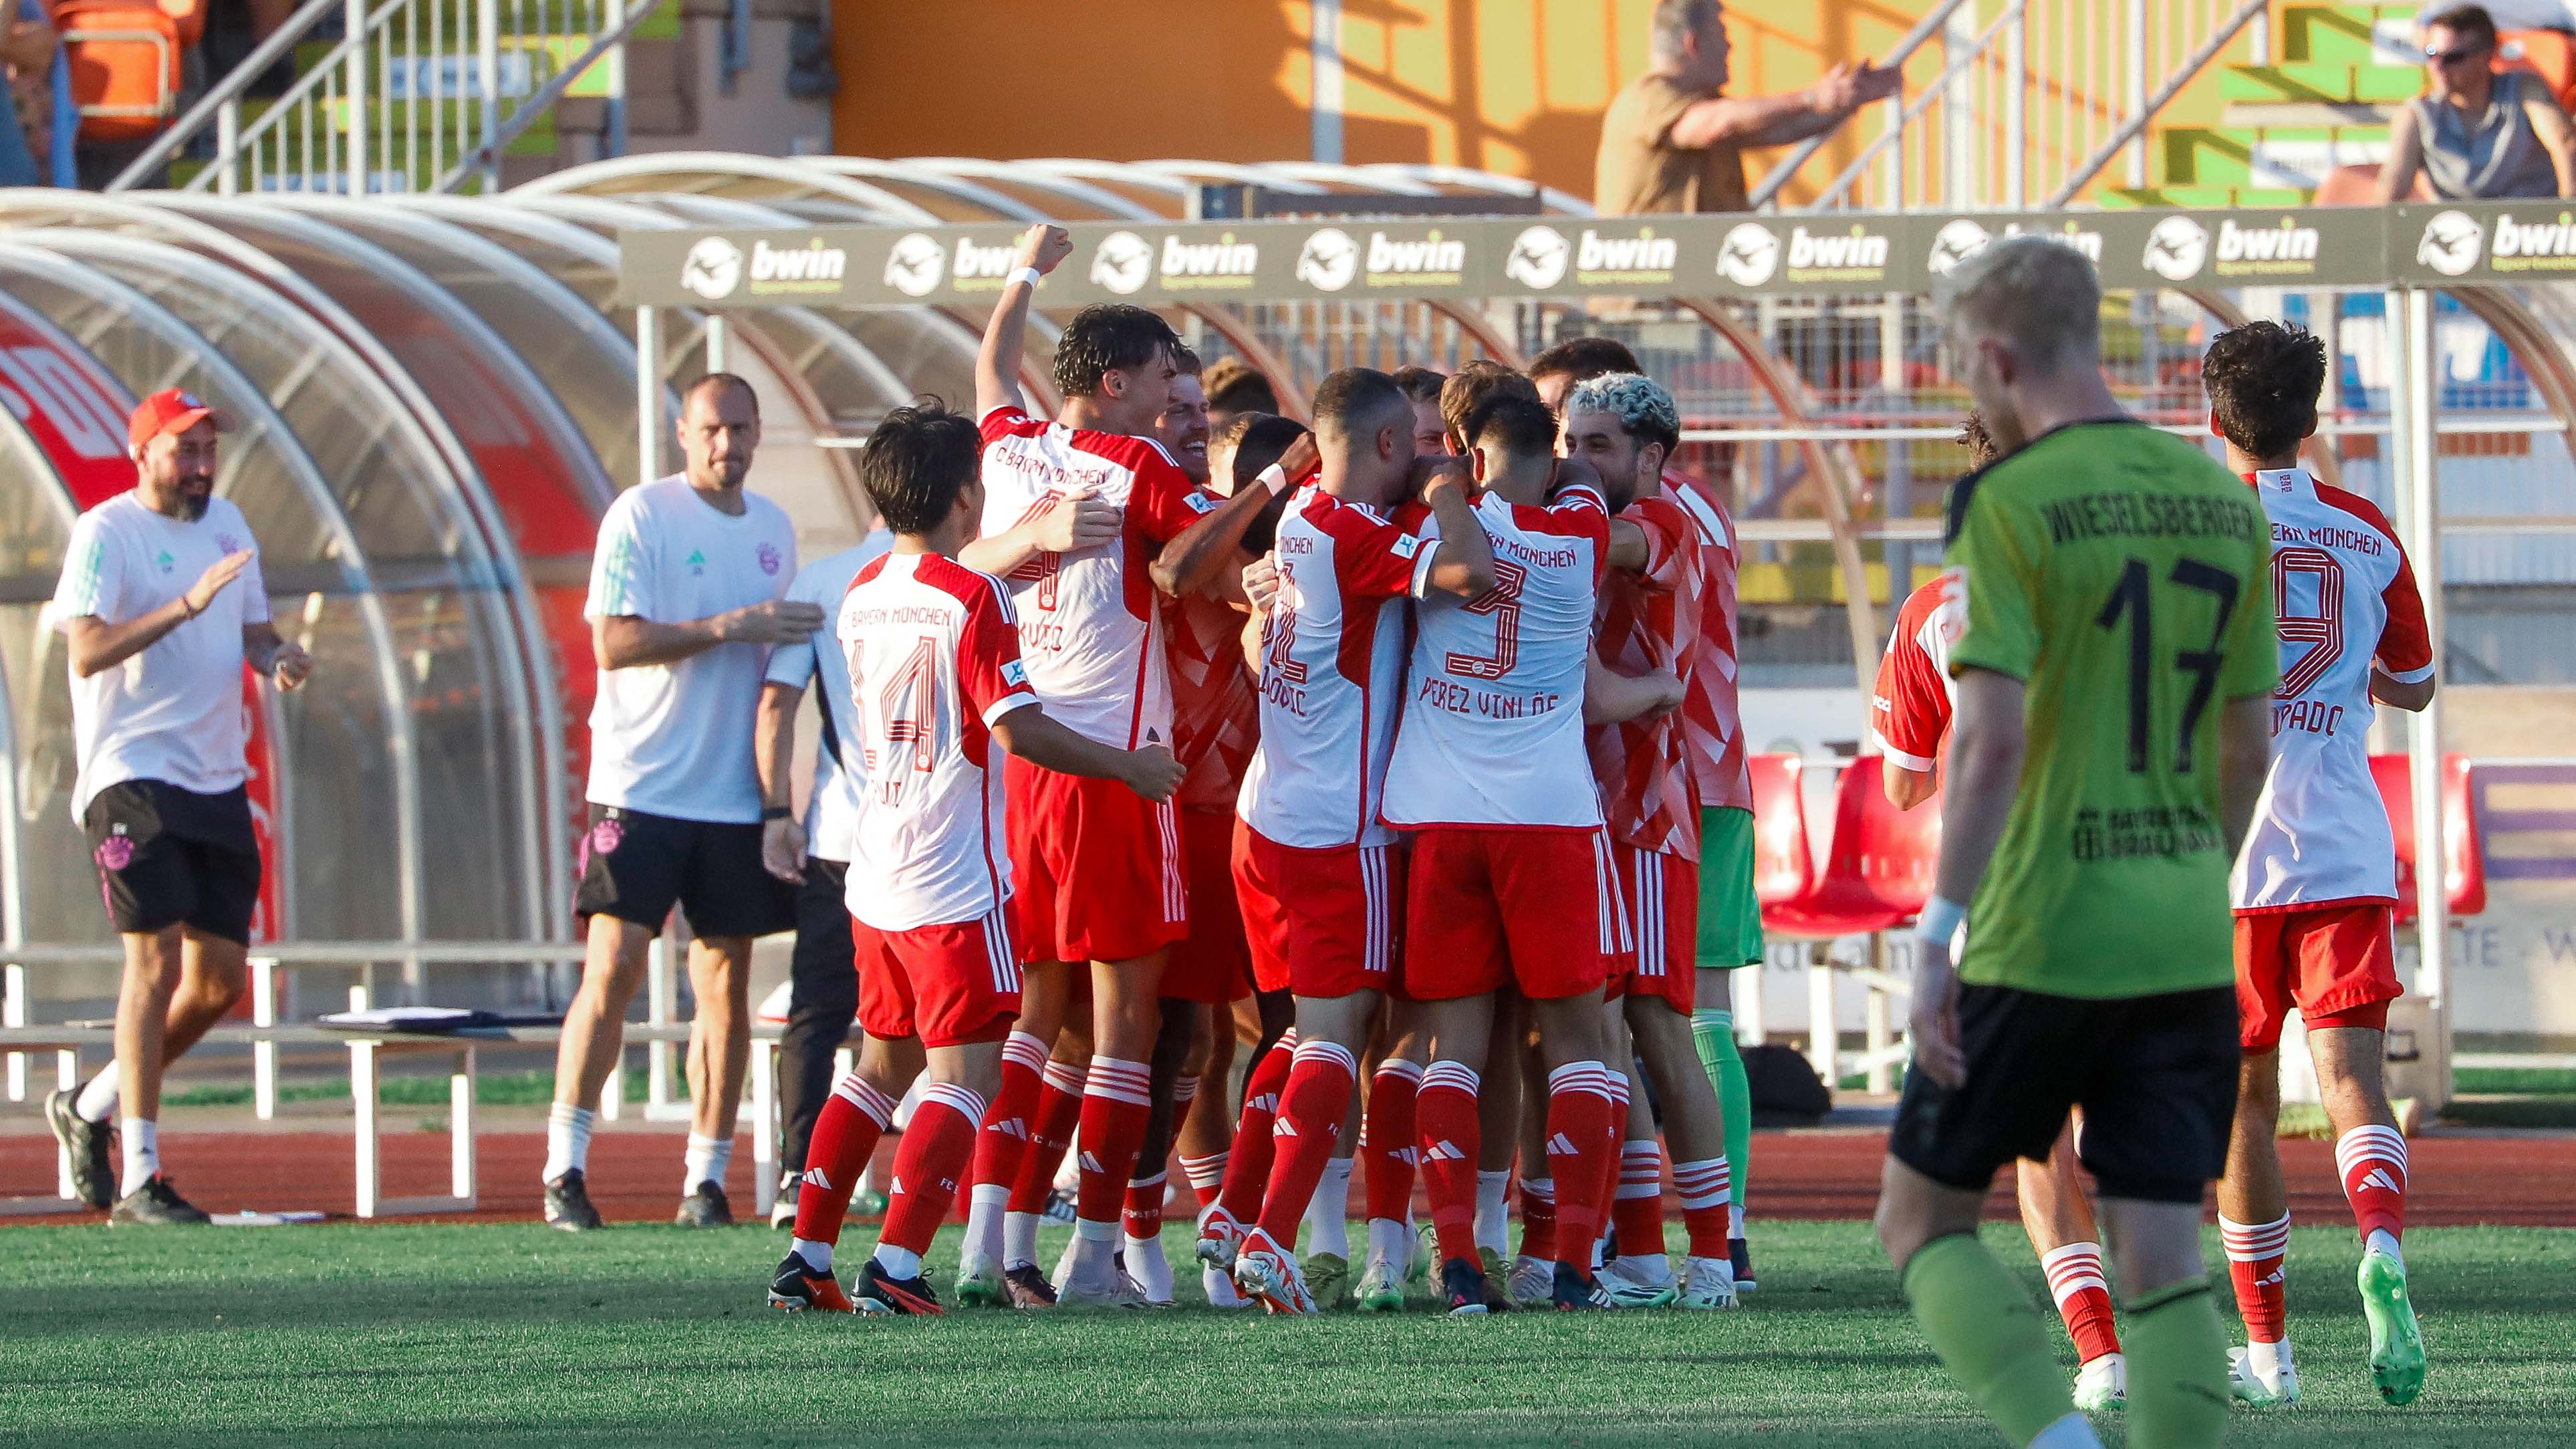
x=412 y=95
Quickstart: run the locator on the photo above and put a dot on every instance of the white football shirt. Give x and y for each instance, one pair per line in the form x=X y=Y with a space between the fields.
x=832 y=815
x=172 y=712
x=675 y=739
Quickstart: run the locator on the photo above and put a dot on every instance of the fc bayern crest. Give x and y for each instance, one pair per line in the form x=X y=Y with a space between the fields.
x=604 y=837
x=115 y=852
x=770 y=558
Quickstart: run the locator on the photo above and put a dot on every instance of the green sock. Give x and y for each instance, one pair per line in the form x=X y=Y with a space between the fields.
x=2177 y=1353
x=1713 y=1032
x=1987 y=1330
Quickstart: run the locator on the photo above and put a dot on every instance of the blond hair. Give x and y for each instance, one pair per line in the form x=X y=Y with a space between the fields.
x=2039 y=295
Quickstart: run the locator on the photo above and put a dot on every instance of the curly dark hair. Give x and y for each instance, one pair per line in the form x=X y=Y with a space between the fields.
x=1583 y=359
x=1106 y=336
x=2263 y=380
x=917 y=462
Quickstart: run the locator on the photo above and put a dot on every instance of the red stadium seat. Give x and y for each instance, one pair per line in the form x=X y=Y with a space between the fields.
x=2465 y=856
x=1784 y=867
x=1878 y=871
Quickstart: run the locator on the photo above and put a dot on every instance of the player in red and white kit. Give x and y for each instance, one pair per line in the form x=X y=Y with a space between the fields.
x=936 y=683
x=2316 y=886
x=1909 y=718
x=1511 y=880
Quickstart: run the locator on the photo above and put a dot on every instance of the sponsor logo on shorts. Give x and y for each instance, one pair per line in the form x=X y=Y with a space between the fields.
x=605 y=837
x=770 y=558
x=115 y=853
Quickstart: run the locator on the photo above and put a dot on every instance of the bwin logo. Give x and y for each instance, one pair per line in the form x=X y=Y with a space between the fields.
x=714 y=268
x=2177 y=249
x=1329 y=260
x=2451 y=243
x=914 y=266
x=1750 y=255
x=1538 y=258
x=1955 y=243
x=1123 y=264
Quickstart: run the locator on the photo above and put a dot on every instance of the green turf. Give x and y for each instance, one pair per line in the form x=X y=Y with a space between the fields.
x=505 y=1335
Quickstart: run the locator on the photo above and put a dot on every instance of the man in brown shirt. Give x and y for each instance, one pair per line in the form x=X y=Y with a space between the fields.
x=1670 y=142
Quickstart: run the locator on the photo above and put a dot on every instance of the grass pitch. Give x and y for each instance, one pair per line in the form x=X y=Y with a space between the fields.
x=486 y=1336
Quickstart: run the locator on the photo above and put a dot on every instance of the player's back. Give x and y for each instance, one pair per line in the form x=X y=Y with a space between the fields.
x=1909 y=706
x=1493 y=717
x=2124 y=577
x=934 y=660
x=1215 y=718
x=1654 y=772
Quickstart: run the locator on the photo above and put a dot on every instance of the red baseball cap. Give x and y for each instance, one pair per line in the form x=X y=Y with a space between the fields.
x=168 y=411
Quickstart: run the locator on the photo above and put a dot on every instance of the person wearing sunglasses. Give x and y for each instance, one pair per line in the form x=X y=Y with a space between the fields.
x=2477 y=132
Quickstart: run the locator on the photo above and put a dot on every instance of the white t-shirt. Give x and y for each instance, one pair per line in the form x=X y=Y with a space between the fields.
x=934 y=653
x=172 y=712
x=833 y=814
x=675 y=739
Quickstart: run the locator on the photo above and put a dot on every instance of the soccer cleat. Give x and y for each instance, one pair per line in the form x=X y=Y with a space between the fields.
x=979 y=1283
x=1220 y=1238
x=1462 y=1288
x=798 y=1287
x=1739 y=1254
x=1111 y=1289
x=2102 y=1384
x=1268 y=1274
x=1640 y=1282
x=1060 y=1207
x=1328 y=1278
x=877 y=1291
x=1426 y=1252
x=2252 y=1389
x=707 y=1207
x=87 y=1144
x=1381 y=1290
x=568 y=1203
x=1531 y=1283
x=1707 y=1283
x=1576 y=1291
x=1218 y=1284
x=157 y=1204
x=2396 y=1343
x=1028 y=1287
x=782 y=1209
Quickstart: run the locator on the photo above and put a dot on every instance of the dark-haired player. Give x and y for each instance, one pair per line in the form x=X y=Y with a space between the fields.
x=2316 y=886
x=1558 y=368
x=1474 y=381
x=1421 y=387
x=1234 y=390
x=936 y=684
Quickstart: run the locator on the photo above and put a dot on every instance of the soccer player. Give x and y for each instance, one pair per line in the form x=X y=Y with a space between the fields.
x=1318 y=875
x=161 y=605
x=823 y=982
x=2316 y=887
x=1556 y=370
x=1421 y=387
x=1235 y=390
x=687 y=595
x=2109 y=742
x=1909 y=714
x=936 y=684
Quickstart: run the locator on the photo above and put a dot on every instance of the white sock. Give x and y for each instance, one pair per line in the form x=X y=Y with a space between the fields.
x=1093 y=1252
x=1019 y=1239
x=2071 y=1432
x=142 y=1138
x=1493 y=1219
x=2384 y=1242
x=567 y=1140
x=984 y=1206
x=901 y=1262
x=706 y=1161
x=1735 y=1220
x=98 y=1095
x=1150 y=1268
x=2267 y=1360
x=1391 y=1243
x=817 y=1256
x=1328 y=1213
x=1219 y=1287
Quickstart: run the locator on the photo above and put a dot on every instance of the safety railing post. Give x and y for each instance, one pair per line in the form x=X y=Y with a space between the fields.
x=2137 y=88
x=2016 y=109
x=354 y=96
x=487 y=69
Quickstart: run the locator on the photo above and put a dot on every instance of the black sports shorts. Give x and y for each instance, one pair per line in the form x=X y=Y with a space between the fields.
x=2155 y=1075
x=169 y=857
x=636 y=866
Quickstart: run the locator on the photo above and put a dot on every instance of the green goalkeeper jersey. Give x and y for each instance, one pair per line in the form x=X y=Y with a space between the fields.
x=2125 y=578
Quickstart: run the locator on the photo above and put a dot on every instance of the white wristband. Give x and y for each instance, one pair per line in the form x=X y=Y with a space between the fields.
x=1940 y=921
x=1274 y=478
x=1029 y=275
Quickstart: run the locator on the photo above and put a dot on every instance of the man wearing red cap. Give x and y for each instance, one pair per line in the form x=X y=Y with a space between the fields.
x=161 y=604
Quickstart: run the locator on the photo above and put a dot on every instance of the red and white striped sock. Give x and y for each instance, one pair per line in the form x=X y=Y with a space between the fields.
x=1538 y=1218
x=1206 y=1175
x=2372 y=1160
x=1637 y=1209
x=2083 y=1297
x=1386 y=1140
x=1448 y=1137
x=1117 y=1104
x=845 y=1137
x=938 y=1143
x=1704 y=1186
x=1003 y=1137
x=2254 y=1253
x=1309 y=1125
x=1247 y=1172
x=1578 y=1152
x=1051 y=1124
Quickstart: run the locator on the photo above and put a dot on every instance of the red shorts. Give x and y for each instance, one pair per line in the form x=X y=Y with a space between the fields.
x=1321 y=923
x=1096 y=869
x=2337 y=964
x=944 y=984
x=1213 y=964
x=1661 y=896
x=1494 y=908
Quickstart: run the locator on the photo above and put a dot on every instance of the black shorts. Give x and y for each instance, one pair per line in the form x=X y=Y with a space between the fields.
x=636 y=866
x=2155 y=1075
x=172 y=857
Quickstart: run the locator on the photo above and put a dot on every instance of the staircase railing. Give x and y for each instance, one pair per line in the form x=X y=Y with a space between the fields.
x=412 y=95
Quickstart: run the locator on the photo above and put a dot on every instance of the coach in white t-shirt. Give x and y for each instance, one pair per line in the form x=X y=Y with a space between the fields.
x=823 y=978
x=687 y=590
x=161 y=604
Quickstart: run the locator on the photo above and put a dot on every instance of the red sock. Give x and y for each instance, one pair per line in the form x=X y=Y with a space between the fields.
x=1614 y=1135
x=2083 y=1297
x=1309 y=1127
x=1144 y=1210
x=1445 y=1128
x=1637 y=1212
x=1538 y=1217
x=1059 y=1109
x=1247 y=1172
x=937 y=1145
x=2254 y=1252
x=1705 y=1186
x=1578 y=1142
x=1206 y=1175
x=2372 y=1160
x=845 y=1137
x=1386 y=1140
x=1004 y=1134
x=1117 y=1105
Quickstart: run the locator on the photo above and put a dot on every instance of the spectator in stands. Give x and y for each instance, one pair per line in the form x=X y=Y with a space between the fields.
x=1670 y=142
x=1234 y=389
x=28 y=46
x=2477 y=133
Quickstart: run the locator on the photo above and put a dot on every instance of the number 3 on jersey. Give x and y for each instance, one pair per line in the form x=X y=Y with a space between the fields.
x=1503 y=601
